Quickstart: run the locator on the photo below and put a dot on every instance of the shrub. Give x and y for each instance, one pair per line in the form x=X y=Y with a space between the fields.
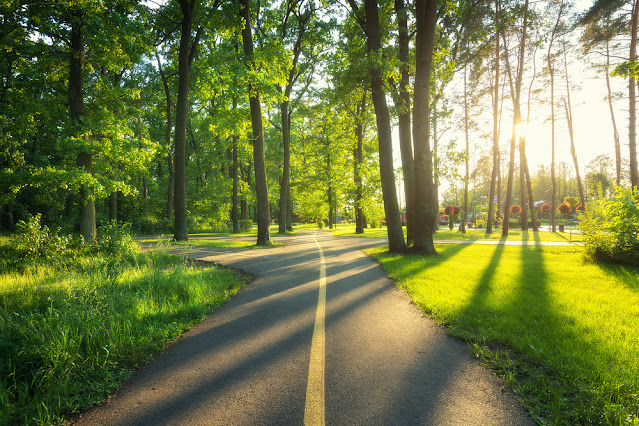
x=456 y=210
x=545 y=208
x=449 y=210
x=481 y=223
x=246 y=225
x=516 y=209
x=564 y=208
x=580 y=208
x=320 y=223
x=609 y=229
x=114 y=239
x=37 y=241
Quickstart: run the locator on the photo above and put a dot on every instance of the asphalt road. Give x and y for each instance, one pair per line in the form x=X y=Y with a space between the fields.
x=382 y=361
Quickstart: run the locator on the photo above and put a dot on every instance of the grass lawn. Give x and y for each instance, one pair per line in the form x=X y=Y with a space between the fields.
x=69 y=336
x=563 y=332
x=470 y=235
x=215 y=243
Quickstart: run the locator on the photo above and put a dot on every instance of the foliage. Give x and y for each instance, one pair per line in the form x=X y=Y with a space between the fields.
x=610 y=228
x=545 y=208
x=320 y=224
x=36 y=241
x=580 y=208
x=516 y=209
x=449 y=210
x=564 y=208
x=572 y=202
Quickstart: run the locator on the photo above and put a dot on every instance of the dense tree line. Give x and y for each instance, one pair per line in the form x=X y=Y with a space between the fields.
x=200 y=114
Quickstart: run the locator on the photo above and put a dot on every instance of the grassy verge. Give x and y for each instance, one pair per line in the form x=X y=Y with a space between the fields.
x=562 y=332
x=470 y=235
x=216 y=243
x=68 y=337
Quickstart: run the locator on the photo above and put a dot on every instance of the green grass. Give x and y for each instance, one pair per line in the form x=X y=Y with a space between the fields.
x=564 y=333
x=470 y=235
x=68 y=337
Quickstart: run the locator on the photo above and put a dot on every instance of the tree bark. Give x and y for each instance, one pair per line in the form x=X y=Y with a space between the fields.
x=426 y=18
x=632 y=110
x=384 y=136
x=76 y=112
x=113 y=206
x=462 y=227
x=285 y=181
x=167 y=140
x=234 y=212
x=495 y=171
x=261 y=188
x=404 y=108
x=180 y=232
x=358 y=159
x=614 y=122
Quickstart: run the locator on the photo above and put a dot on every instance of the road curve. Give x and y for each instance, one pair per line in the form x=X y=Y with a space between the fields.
x=384 y=362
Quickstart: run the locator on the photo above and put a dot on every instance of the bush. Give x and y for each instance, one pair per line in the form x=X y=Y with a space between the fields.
x=516 y=209
x=320 y=223
x=545 y=208
x=449 y=210
x=37 y=241
x=564 y=208
x=609 y=229
x=246 y=225
x=114 y=239
x=481 y=223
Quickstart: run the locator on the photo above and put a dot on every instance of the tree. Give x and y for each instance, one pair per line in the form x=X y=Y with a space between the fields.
x=374 y=44
x=425 y=16
x=261 y=187
x=495 y=94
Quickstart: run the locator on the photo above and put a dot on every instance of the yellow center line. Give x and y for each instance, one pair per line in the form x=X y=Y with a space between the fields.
x=314 y=408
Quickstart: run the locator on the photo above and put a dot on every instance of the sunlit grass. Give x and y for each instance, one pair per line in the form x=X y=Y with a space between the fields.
x=68 y=337
x=348 y=230
x=564 y=333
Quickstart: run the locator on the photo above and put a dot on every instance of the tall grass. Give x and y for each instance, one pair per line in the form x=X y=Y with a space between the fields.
x=563 y=332
x=70 y=335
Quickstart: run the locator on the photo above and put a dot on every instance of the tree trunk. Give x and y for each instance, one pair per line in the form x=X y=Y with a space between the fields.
x=113 y=206
x=180 y=232
x=632 y=110
x=167 y=140
x=515 y=90
x=462 y=227
x=76 y=112
x=403 y=106
x=426 y=17
x=522 y=183
x=435 y=201
x=284 y=185
x=573 y=152
x=495 y=171
x=261 y=188
x=358 y=159
x=234 y=213
x=384 y=136
x=289 y=211
x=614 y=122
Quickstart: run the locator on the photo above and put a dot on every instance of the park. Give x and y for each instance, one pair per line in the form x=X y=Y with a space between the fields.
x=308 y=212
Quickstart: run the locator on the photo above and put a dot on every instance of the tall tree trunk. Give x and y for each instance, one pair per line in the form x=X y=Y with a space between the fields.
x=632 y=110
x=289 y=211
x=384 y=135
x=180 y=232
x=462 y=227
x=515 y=90
x=76 y=112
x=284 y=185
x=403 y=106
x=358 y=159
x=495 y=171
x=234 y=212
x=426 y=17
x=261 y=188
x=113 y=206
x=522 y=183
x=614 y=122
x=435 y=201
